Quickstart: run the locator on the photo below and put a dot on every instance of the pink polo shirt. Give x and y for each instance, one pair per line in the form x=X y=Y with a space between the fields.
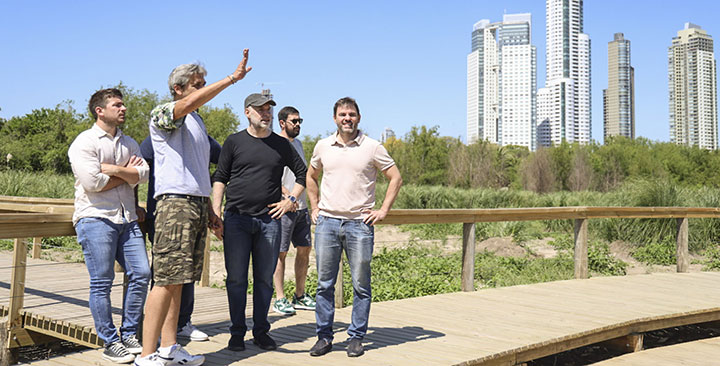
x=349 y=174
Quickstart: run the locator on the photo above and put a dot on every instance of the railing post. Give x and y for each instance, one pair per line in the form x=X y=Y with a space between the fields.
x=468 y=257
x=682 y=245
x=37 y=245
x=581 y=248
x=339 y=298
x=205 y=276
x=17 y=284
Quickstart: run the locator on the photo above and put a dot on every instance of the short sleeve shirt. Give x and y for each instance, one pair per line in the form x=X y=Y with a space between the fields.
x=182 y=152
x=349 y=174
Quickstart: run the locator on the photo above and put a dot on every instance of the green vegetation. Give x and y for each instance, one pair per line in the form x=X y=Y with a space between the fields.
x=441 y=172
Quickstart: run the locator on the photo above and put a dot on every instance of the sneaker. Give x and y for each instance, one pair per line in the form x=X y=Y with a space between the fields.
x=236 y=343
x=303 y=302
x=264 y=341
x=321 y=347
x=283 y=306
x=150 y=360
x=355 y=348
x=132 y=344
x=179 y=356
x=189 y=331
x=117 y=353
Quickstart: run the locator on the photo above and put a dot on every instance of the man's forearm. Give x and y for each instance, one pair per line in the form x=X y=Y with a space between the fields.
x=218 y=190
x=128 y=174
x=297 y=190
x=112 y=183
x=395 y=182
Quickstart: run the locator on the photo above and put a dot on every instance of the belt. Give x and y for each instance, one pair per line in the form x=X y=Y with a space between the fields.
x=183 y=196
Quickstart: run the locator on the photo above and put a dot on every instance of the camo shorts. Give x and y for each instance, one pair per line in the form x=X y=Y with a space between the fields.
x=180 y=231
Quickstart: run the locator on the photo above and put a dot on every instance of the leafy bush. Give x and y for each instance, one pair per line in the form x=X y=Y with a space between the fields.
x=661 y=252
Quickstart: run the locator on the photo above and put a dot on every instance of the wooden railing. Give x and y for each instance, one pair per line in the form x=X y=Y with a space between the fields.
x=35 y=217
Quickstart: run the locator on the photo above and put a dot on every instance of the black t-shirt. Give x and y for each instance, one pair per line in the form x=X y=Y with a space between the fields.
x=252 y=170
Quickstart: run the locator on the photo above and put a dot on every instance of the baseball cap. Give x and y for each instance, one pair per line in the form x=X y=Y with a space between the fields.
x=257 y=99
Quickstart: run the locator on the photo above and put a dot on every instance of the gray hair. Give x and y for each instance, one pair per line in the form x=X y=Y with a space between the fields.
x=181 y=75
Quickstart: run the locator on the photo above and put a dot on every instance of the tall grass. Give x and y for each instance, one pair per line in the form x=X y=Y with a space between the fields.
x=36 y=184
x=641 y=193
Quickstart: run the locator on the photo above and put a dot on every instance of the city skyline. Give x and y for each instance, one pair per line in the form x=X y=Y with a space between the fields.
x=405 y=62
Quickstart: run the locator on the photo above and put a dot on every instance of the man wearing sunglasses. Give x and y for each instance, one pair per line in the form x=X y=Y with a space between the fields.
x=295 y=226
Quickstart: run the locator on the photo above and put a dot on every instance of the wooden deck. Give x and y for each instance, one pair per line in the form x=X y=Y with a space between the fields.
x=493 y=326
x=698 y=353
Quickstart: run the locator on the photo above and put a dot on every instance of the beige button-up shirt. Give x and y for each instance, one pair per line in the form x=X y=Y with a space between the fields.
x=90 y=149
x=349 y=174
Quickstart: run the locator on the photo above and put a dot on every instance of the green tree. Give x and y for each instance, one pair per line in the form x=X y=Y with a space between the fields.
x=219 y=122
x=40 y=139
x=423 y=158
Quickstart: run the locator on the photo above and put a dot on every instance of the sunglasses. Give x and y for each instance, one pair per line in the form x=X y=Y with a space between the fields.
x=296 y=121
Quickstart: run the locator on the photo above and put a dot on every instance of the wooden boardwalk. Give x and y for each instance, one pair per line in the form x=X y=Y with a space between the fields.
x=492 y=326
x=698 y=353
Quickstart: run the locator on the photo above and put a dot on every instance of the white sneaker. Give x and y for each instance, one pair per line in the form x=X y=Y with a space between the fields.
x=150 y=360
x=179 y=356
x=190 y=331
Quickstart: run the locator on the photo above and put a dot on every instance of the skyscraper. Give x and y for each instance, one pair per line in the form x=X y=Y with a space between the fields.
x=502 y=82
x=387 y=133
x=619 y=97
x=692 y=82
x=566 y=97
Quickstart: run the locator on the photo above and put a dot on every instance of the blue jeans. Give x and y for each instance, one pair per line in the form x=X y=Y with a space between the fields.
x=357 y=238
x=104 y=242
x=187 y=299
x=245 y=235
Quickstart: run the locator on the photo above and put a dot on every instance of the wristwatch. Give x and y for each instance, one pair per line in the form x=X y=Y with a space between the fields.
x=292 y=198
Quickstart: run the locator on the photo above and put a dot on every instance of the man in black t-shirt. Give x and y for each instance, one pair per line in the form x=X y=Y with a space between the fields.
x=251 y=167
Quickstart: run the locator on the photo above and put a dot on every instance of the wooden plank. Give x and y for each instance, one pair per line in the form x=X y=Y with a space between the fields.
x=37 y=246
x=683 y=256
x=581 y=248
x=339 y=295
x=17 y=283
x=468 y=257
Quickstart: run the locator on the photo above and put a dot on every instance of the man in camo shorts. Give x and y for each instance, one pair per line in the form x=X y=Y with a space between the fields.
x=182 y=190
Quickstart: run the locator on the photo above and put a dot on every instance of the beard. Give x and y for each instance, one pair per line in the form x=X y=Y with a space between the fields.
x=291 y=133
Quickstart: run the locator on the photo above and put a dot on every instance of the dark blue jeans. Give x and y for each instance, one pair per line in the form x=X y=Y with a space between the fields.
x=244 y=236
x=104 y=242
x=357 y=238
x=187 y=300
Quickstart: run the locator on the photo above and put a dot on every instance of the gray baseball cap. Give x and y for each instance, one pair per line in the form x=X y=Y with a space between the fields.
x=257 y=99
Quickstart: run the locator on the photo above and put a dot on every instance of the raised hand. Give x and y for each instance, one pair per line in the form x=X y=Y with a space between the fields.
x=243 y=68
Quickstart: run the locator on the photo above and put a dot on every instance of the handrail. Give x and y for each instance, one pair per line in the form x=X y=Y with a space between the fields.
x=59 y=224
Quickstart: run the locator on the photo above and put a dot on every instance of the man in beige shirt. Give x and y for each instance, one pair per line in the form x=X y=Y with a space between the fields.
x=107 y=167
x=345 y=215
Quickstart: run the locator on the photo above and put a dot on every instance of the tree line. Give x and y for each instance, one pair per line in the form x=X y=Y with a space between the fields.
x=38 y=141
x=425 y=158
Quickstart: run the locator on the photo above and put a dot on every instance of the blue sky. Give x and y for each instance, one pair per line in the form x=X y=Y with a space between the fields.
x=404 y=61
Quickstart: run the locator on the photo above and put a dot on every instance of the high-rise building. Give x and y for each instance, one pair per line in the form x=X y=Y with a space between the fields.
x=387 y=133
x=566 y=95
x=501 y=82
x=692 y=82
x=619 y=97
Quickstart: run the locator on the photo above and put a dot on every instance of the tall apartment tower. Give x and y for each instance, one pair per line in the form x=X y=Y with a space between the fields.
x=692 y=82
x=619 y=97
x=566 y=100
x=502 y=82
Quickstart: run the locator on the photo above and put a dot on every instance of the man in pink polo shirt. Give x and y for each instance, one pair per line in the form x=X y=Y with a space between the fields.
x=345 y=215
